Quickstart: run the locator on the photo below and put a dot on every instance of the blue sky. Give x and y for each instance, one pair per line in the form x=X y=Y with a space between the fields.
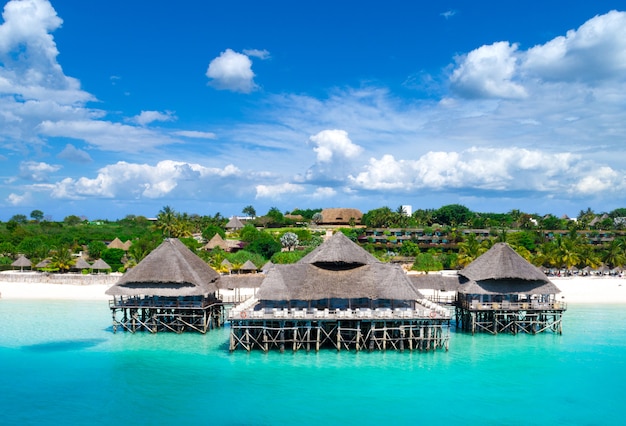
x=123 y=107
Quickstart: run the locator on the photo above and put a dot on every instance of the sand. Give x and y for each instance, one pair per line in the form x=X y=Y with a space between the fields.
x=573 y=290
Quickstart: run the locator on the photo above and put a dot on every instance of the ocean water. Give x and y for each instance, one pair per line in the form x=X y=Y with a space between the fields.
x=60 y=363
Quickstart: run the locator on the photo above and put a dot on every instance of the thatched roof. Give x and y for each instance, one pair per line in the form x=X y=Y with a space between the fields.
x=435 y=282
x=502 y=271
x=118 y=244
x=341 y=216
x=43 y=263
x=241 y=281
x=337 y=269
x=218 y=241
x=234 y=223
x=81 y=264
x=127 y=244
x=267 y=266
x=100 y=265
x=248 y=266
x=339 y=250
x=225 y=263
x=22 y=262
x=169 y=270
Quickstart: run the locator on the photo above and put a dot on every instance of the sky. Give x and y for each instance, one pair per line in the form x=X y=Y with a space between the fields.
x=115 y=108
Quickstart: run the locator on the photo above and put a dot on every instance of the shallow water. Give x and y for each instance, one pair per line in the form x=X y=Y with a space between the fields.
x=60 y=363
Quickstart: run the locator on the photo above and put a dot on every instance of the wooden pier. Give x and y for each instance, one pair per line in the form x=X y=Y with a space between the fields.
x=350 y=329
x=171 y=314
x=509 y=317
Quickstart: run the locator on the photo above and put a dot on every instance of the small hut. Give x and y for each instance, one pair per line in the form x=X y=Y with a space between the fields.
x=43 y=264
x=248 y=268
x=171 y=289
x=501 y=291
x=339 y=296
x=81 y=264
x=118 y=244
x=341 y=216
x=22 y=262
x=227 y=265
x=234 y=224
x=100 y=265
x=218 y=242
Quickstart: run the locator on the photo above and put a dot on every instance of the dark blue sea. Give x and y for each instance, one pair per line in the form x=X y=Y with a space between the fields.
x=60 y=363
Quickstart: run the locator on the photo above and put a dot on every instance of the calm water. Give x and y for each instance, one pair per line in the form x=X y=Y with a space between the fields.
x=60 y=363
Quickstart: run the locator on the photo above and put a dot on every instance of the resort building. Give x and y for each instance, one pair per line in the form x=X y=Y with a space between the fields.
x=502 y=292
x=171 y=289
x=341 y=216
x=338 y=296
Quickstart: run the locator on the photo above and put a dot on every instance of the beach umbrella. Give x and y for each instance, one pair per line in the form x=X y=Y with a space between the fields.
x=22 y=262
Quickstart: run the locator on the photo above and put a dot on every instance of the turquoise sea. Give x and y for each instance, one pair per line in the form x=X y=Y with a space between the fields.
x=60 y=363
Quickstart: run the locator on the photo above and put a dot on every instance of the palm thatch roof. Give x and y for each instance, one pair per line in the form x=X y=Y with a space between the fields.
x=169 y=270
x=435 y=282
x=337 y=269
x=118 y=244
x=339 y=250
x=226 y=263
x=44 y=263
x=226 y=245
x=127 y=245
x=81 y=264
x=234 y=223
x=241 y=281
x=22 y=262
x=502 y=271
x=100 y=265
x=267 y=266
x=341 y=216
x=248 y=266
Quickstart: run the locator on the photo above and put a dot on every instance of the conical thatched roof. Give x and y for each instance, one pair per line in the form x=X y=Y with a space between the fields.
x=43 y=263
x=100 y=265
x=435 y=282
x=225 y=263
x=169 y=270
x=339 y=250
x=22 y=262
x=118 y=244
x=127 y=244
x=337 y=269
x=502 y=271
x=248 y=266
x=267 y=266
x=234 y=223
x=81 y=264
x=216 y=241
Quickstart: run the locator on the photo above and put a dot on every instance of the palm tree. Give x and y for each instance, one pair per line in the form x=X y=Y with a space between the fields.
x=470 y=249
x=62 y=259
x=166 y=221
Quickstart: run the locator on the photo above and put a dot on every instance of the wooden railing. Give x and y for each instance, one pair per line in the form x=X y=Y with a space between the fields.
x=513 y=306
x=339 y=314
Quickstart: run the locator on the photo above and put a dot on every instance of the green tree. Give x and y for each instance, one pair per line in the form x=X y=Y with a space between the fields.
x=265 y=245
x=210 y=231
x=72 y=220
x=113 y=257
x=289 y=240
x=453 y=215
x=62 y=259
x=95 y=249
x=36 y=215
x=19 y=218
x=249 y=211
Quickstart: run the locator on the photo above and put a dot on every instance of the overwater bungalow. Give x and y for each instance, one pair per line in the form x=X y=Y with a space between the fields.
x=338 y=296
x=171 y=289
x=501 y=291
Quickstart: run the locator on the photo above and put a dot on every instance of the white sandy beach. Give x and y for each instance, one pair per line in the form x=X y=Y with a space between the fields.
x=573 y=290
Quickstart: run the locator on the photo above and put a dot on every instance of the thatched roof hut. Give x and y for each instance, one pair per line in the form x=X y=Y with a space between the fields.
x=22 y=262
x=340 y=216
x=81 y=264
x=226 y=245
x=226 y=264
x=502 y=271
x=100 y=265
x=234 y=224
x=230 y=282
x=118 y=244
x=249 y=266
x=435 y=282
x=44 y=263
x=337 y=269
x=169 y=270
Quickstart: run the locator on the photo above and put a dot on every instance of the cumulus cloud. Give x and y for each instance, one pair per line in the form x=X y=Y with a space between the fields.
x=131 y=180
x=232 y=71
x=488 y=72
x=19 y=200
x=324 y=193
x=75 y=155
x=595 y=51
x=147 y=117
x=277 y=191
x=489 y=169
x=36 y=171
x=332 y=143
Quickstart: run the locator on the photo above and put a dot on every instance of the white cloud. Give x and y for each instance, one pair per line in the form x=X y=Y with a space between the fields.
x=106 y=135
x=448 y=14
x=332 y=143
x=277 y=191
x=324 y=192
x=232 y=71
x=488 y=72
x=147 y=117
x=75 y=155
x=596 y=51
x=130 y=180
x=195 y=134
x=256 y=53
x=19 y=200
x=38 y=172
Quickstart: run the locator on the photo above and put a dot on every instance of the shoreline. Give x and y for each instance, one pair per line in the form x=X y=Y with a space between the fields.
x=577 y=290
